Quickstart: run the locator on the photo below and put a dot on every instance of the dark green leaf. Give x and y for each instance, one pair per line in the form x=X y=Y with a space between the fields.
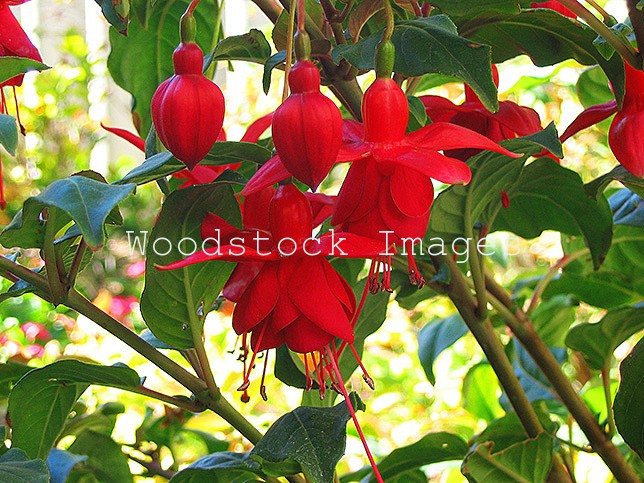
x=629 y=416
x=481 y=392
x=314 y=437
x=491 y=173
x=252 y=47
x=141 y=10
x=151 y=339
x=473 y=8
x=432 y=448
x=106 y=461
x=592 y=87
x=435 y=337
x=40 y=402
x=141 y=61
x=272 y=62
x=430 y=45
x=116 y=12
x=11 y=67
x=548 y=196
x=8 y=133
x=10 y=373
x=598 y=341
x=548 y=38
x=553 y=318
x=153 y=168
x=88 y=202
x=61 y=463
x=16 y=467
x=620 y=174
x=218 y=468
x=526 y=462
x=417 y=114
x=172 y=300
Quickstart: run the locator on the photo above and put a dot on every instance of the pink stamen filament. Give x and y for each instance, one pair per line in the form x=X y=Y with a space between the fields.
x=365 y=375
x=15 y=100
x=335 y=368
x=262 y=386
x=414 y=274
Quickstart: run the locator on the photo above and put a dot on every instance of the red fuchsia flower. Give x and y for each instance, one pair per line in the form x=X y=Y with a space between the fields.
x=624 y=136
x=509 y=122
x=307 y=127
x=285 y=289
x=556 y=6
x=14 y=41
x=388 y=192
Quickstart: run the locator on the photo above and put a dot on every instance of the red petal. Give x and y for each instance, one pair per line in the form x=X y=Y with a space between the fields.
x=588 y=117
x=304 y=336
x=131 y=138
x=439 y=109
x=412 y=191
x=214 y=226
x=340 y=288
x=444 y=136
x=255 y=208
x=519 y=119
x=226 y=253
x=358 y=193
x=242 y=276
x=352 y=131
x=258 y=301
x=257 y=128
x=310 y=292
x=285 y=311
x=435 y=165
x=263 y=339
x=402 y=225
x=273 y=171
x=13 y=38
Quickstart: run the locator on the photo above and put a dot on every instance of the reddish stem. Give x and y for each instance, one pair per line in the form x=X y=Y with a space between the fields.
x=334 y=365
x=301 y=15
x=192 y=6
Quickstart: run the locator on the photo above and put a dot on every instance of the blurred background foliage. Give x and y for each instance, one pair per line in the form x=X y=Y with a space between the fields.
x=158 y=440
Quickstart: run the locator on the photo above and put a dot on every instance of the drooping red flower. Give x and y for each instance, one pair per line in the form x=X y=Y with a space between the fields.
x=14 y=41
x=285 y=289
x=556 y=6
x=510 y=121
x=624 y=136
x=188 y=108
x=388 y=192
x=307 y=127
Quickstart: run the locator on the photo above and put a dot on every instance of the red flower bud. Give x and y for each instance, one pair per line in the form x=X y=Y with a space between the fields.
x=385 y=112
x=307 y=127
x=625 y=136
x=188 y=109
x=556 y=6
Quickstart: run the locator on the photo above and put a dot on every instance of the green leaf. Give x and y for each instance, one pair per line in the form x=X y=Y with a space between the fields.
x=106 y=461
x=40 y=402
x=548 y=196
x=10 y=373
x=314 y=437
x=619 y=173
x=272 y=62
x=280 y=31
x=629 y=416
x=417 y=114
x=116 y=12
x=172 y=299
x=8 y=133
x=473 y=8
x=222 y=467
x=11 y=67
x=251 y=47
x=432 y=448
x=526 y=462
x=481 y=392
x=435 y=337
x=553 y=318
x=592 y=87
x=61 y=463
x=141 y=61
x=430 y=45
x=598 y=341
x=548 y=38
x=491 y=173
x=16 y=467
x=86 y=201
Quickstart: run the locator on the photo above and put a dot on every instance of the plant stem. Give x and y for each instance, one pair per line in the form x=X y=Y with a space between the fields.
x=270 y=8
x=54 y=275
x=76 y=263
x=524 y=331
x=204 y=363
x=289 y=51
x=625 y=50
x=390 y=20
x=605 y=375
x=153 y=468
x=175 y=401
x=416 y=7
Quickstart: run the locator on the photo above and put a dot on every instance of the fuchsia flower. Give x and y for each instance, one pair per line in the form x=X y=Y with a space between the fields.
x=624 y=136
x=556 y=6
x=307 y=127
x=279 y=264
x=388 y=192
x=511 y=120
